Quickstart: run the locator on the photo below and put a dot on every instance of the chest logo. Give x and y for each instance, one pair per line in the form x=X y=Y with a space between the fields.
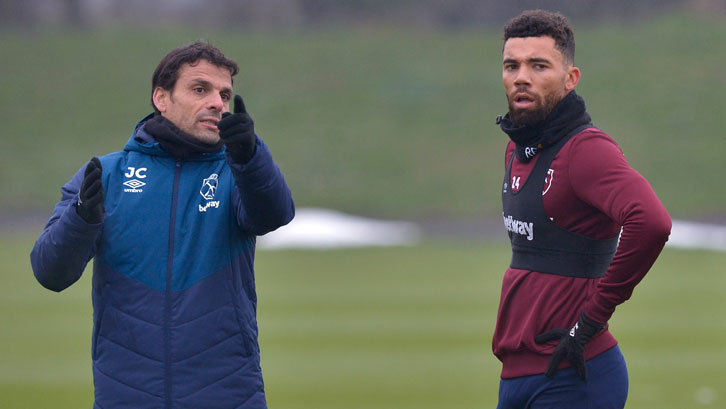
x=134 y=185
x=208 y=190
x=548 y=181
x=209 y=186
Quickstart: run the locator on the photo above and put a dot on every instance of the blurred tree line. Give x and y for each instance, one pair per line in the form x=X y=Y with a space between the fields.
x=306 y=13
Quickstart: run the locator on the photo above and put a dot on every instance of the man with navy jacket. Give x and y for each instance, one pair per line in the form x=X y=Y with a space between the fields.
x=584 y=228
x=171 y=223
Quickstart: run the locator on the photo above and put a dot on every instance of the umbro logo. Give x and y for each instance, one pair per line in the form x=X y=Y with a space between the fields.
x=134 y=184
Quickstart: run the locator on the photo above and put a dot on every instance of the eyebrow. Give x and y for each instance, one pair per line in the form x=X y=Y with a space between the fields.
x=207 y=84
x=530 y=60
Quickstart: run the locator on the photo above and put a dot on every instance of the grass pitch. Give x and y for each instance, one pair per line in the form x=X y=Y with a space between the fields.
x=382 y=328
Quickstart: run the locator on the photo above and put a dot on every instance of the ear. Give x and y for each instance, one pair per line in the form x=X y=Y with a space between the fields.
x=573 y=77
x=161 y=99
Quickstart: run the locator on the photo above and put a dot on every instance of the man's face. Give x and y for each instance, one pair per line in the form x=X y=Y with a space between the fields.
x=200 y=96
x=535 y=78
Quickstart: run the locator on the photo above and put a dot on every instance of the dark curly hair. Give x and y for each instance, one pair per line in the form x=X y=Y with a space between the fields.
x=538 y=23
x=167 y=72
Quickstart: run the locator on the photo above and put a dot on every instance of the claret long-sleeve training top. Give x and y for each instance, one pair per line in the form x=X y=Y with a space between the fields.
x=591 y=190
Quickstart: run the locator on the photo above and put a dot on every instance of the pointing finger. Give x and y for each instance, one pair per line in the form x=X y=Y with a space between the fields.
x=557 y=357
x=239 y=105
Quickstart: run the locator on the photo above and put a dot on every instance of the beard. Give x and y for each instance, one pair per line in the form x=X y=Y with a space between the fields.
x=535 y=115
x=205 y=136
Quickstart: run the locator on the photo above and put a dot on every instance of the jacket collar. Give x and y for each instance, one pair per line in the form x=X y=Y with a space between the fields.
x=142 y=141
x=568 y=114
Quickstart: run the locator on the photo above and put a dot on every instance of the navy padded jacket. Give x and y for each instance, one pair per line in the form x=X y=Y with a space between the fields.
x=174 y=301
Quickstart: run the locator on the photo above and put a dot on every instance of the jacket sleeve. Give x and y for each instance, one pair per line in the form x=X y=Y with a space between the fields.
x=602 y=177
x=67 y=242
x=263 y=201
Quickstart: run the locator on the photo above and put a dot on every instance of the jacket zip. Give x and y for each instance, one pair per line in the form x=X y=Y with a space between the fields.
x=167 y=299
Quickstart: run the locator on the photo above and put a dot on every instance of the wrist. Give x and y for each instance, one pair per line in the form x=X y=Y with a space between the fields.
x=589 y=328
x=590 y=322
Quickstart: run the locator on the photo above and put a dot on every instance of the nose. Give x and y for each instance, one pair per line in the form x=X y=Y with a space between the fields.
x=215 y=103
x=522 y=77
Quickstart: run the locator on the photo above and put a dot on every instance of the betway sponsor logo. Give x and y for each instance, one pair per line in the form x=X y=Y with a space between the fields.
x=519 y=227
x=214 y=204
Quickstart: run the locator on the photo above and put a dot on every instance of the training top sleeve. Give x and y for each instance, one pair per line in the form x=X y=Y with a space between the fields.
x=601 y=177
x=262 y=198
x=67 y=242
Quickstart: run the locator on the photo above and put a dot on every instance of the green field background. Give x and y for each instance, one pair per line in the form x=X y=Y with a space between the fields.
x=395 y=328
x=389 y=122
x=385 y=121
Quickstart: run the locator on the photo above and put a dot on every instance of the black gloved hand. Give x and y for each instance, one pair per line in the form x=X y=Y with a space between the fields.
x=91 y=197
x=572 y=344
x=237 y=131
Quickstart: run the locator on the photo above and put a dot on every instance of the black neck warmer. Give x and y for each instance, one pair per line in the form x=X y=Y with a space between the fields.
x=176 y=142
x=567 y=115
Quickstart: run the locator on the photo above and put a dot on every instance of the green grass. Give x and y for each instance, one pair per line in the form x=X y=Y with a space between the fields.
x=383 y=121
x=381 y=328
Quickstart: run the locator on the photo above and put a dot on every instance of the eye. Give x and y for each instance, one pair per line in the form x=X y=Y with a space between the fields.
x=198 y=90
x=225 y=97
x=510 y=67
x=540 y=66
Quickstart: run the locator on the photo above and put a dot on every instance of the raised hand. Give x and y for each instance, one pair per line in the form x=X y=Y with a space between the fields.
x=237 y=132
x=90 y=204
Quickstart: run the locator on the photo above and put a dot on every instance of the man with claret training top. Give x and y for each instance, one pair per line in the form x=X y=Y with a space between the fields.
x=584 y=227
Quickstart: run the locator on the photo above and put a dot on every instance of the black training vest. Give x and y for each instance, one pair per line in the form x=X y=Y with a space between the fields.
x=538 y=244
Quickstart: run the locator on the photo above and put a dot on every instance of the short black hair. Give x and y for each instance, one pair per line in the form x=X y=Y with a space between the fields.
x=538 y=23
x=167 y=72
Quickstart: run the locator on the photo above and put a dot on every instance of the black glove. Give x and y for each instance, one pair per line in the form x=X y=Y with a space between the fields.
x=572 y=344
x=91 y=197
x=237 y=131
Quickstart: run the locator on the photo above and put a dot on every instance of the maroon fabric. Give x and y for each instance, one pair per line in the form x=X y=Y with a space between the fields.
x=592 y=191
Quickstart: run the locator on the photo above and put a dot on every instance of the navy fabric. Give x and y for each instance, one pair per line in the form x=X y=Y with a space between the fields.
x=606 y=387
x=174 y=300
